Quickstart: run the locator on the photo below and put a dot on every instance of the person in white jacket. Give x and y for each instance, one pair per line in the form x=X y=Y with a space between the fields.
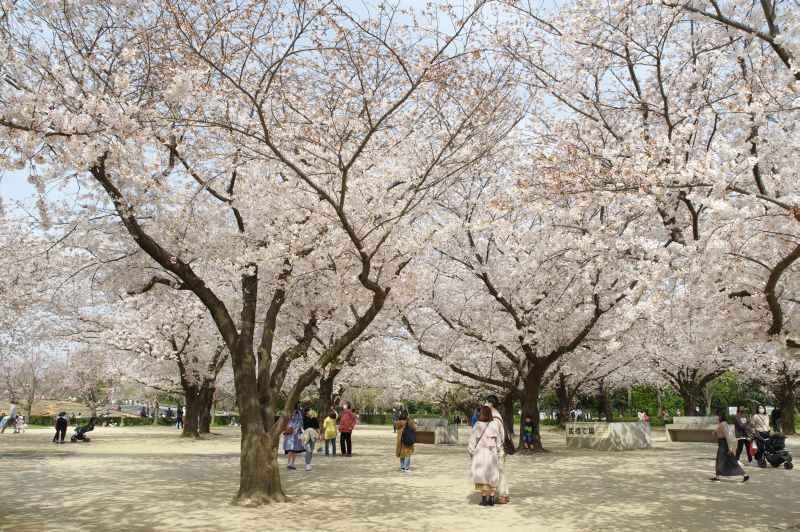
x=485 y=446
x=502 y=487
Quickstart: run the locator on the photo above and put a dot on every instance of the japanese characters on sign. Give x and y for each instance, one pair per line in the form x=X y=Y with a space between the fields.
x=587 y=430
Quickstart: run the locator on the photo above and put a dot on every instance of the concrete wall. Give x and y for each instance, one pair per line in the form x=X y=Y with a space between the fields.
x=621 y=436
x=692 y=429
x=436 y=431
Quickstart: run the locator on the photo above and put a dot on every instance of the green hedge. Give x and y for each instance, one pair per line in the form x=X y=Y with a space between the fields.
x=225 y=421
x=49 y=421
x=375 y=419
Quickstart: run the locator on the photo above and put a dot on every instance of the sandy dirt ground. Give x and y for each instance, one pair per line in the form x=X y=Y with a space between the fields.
x=150 y=479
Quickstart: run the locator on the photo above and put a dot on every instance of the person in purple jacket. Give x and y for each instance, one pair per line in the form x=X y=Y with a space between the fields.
x=293 y=437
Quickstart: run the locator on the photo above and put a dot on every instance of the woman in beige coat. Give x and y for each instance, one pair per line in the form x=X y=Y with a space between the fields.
x=404 y=451
x=484 y=447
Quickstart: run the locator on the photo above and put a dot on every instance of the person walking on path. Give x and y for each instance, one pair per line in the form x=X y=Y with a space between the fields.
x=502 y=487
x=395 y=417
x=310 y=435
x=179 y=417
x=475 y=417
x=293 y=438
x=61 y=427
x=743 y=429
x=405 y=440
x=330 y=432
x=346 y=426
x=776 y=419
x=485 y=446
x=726 y=464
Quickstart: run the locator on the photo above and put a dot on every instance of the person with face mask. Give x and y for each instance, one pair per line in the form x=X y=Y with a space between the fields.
x=761 y=425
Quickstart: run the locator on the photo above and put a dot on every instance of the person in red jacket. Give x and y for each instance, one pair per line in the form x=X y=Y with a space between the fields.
x=346 y=425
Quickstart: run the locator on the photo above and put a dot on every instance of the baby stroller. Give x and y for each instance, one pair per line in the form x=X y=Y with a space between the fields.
x=772 y=449
x=80 y=432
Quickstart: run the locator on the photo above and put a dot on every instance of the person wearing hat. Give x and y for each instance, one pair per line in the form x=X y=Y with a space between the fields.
x=502 y=487
x=310 y=434
x=61 y=427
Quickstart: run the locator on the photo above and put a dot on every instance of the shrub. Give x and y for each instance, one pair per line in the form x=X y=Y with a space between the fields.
x=376 y=419
x=224 y=421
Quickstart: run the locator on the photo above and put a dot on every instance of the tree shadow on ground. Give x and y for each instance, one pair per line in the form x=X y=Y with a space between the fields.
x=153 y=480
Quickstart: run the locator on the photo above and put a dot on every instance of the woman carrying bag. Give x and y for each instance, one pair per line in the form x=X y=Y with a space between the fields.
x=406 y=437
x=484 y=448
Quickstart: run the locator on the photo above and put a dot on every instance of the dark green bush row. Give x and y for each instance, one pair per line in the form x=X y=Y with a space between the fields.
x=375 y=419
x=129 y=421
x=224 y=421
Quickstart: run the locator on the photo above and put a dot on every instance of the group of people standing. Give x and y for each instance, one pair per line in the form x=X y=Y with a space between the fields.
x=303 y=431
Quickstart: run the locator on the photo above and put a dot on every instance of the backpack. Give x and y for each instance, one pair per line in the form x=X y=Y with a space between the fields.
x=409 y=437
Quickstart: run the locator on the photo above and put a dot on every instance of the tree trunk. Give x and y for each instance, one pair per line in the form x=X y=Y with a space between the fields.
x=787 y=400
x=659 y=402
x=507 y=411
x=608 y=411
x=708 y=393
x=530 y=405
x=688 y=403
x=605 y=403
x=689 y=393
x=325 y=396
x=563 y=401
x=205 y=402
x=191 y=425
x=156 y=413
x=630 y=399
x=259 y=477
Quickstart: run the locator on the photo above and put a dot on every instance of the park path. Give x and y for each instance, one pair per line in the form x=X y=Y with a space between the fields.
x=146 y=478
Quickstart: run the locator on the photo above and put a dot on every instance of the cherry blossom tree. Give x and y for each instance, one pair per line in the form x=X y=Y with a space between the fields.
x=252 y=152
x=89 y=376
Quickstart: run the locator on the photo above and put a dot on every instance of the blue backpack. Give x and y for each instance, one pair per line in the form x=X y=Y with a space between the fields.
x=409 y=437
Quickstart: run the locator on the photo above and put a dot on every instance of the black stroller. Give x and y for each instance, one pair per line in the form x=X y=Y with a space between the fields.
x=80 y=432
x=771 y=449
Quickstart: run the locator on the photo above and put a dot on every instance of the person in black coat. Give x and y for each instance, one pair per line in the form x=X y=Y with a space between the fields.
x=61 y=427
x=776 y=419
